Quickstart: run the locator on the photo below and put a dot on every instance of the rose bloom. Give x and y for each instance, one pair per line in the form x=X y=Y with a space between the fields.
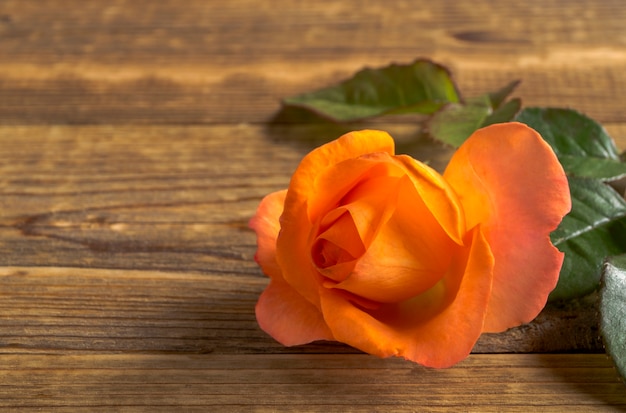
x=381 y=252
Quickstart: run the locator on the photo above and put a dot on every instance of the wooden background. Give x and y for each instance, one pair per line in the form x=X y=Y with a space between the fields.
x=136 y=140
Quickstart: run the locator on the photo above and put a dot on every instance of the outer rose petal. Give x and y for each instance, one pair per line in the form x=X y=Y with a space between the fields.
x=437 y=329
x=293 y=243
x=266 y=225
x=288 y=317
x=370 y=176
x=510 y=181
x=280 y=311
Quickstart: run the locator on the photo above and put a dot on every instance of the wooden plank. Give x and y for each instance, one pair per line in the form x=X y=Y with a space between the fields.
x=77 y=310
x=147 y=62
x=485 y=383
x=166 y=199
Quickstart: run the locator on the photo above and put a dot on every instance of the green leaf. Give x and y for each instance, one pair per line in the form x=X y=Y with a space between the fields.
x=498 y=97
x=613 y=311
x=582 y=145
x=602 y=169
x=455 y=122
x=503 y=113
x=594 y=229
x=420 y=87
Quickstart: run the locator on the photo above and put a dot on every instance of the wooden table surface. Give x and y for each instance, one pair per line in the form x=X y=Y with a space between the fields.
x=136 y=142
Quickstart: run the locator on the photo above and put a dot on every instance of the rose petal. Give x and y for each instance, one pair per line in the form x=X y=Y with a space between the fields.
x=280 y=311
x=510 y=181
x=336 y=182
x=349 y=229
x=436 y=329
x=292 y=246
x=438 y=196
x=336 y=249
x=349 y=146
x=266 y=225
x=409 y=254
x=288 y=317
x=370 y=198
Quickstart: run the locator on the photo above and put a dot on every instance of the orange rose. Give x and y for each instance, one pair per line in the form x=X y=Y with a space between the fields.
x=383 y=253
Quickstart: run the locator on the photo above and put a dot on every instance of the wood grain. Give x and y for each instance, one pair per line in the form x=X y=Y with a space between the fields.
x=136 y=142
x=308 y=383
x=75 y=310
x=157 y=62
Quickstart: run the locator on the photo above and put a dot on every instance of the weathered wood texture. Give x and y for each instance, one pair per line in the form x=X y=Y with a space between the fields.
x=307 y=383
x=135 y=146
x=70 y=61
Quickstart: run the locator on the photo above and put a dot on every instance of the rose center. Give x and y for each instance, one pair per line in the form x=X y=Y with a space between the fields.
x=405 y=251
x=337 y=248
x=326 y=254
